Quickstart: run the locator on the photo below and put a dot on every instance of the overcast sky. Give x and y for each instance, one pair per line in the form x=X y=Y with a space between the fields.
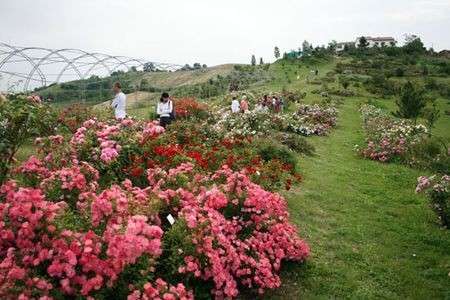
x=215 y=32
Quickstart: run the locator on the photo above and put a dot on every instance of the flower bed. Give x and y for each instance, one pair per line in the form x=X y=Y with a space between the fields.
x=307 y=120
x=251 y=123
x=125 y=210
x=437 y=189
x=388 y=138
x=311 y=120
x=189 y=107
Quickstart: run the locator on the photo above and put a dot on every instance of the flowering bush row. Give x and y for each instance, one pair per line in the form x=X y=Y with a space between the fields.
x=311 y=120
x=251 y=123
x=189 y=107
x=126 y=209
x=438 y=191
x=307 y=120
x=388 y=138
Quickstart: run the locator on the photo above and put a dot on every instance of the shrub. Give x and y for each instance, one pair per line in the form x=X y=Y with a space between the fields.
x=22 y=119
x=297 y=143
x=437 y=189
x=411 y=102
x=430 y=153
x=269 y=150
x=190 y=108
x=388 y=138
x=399 y=72
x=73 y=116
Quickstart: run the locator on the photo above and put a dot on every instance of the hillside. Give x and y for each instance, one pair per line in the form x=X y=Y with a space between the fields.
x=96 y=89
x=180 y=78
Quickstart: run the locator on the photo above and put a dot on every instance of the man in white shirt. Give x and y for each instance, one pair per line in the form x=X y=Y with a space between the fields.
x=120 y=101
x=235 y=107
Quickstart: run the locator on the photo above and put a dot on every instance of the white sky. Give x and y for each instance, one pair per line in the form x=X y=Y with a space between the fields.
x=215 y=32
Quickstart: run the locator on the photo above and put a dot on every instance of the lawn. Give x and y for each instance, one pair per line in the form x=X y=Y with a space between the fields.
x=371 y=236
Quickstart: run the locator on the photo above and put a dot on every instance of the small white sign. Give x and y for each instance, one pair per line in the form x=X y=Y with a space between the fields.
x=170 y=219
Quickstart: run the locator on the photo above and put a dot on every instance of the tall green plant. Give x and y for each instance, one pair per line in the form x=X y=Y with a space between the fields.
x=411 y=102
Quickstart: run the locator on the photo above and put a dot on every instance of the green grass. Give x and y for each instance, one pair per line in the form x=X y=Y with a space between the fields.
x=371 y=236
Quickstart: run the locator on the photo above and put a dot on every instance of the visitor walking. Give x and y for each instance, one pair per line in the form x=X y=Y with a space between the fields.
x=274 y=102
x=235 y=107
x=165 y=110
x=119 y=102
x=281 y=104
x=244 y=104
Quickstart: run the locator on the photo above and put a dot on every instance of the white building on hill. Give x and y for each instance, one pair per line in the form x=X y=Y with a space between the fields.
x=377 y=41
x=371 y=42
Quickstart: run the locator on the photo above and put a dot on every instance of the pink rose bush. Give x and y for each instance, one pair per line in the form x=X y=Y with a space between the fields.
x=438 y=191
x=110 y=213
x=388 y=138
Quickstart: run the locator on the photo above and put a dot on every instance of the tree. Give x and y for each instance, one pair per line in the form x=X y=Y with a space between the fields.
x=411 y=102
x=332 y=46
x=186 y=67
x=197 y=66
x=306 y=48
x=413 y=45
x=363 y=43
x=149 y=67
x=204 y=66
x=277 y=52
x=253 y=60
x=261 y=62
x=345 y=83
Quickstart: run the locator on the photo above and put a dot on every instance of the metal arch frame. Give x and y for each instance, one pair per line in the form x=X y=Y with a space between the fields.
x=43 y=59
x=18 y=51
x=128 y=60
x=85 y=54
x=109 y=63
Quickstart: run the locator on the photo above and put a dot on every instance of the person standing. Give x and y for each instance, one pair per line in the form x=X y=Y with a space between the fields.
x=244 y=104
x=165 y=110
x=119 y=102
x=235 y=108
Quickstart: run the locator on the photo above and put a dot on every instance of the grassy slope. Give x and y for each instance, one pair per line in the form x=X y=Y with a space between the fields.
x=180 y=78
x=371 y=235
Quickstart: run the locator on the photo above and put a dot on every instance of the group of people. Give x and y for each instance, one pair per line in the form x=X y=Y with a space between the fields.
x=237 y=106
x=274 y=103
x=164 y=109
x=166 y=112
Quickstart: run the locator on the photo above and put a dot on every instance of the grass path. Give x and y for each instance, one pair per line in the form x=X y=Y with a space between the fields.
x=370 y=235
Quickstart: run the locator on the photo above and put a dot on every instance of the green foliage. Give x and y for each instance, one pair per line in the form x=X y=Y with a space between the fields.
x=431 y=114
x=430 y=153
x=21 y=120
x=399 y=72
x=411 y=102
x=297 y=143
x=363 y=43
x=414 y=46
x=269 y=150
x=276 y=52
